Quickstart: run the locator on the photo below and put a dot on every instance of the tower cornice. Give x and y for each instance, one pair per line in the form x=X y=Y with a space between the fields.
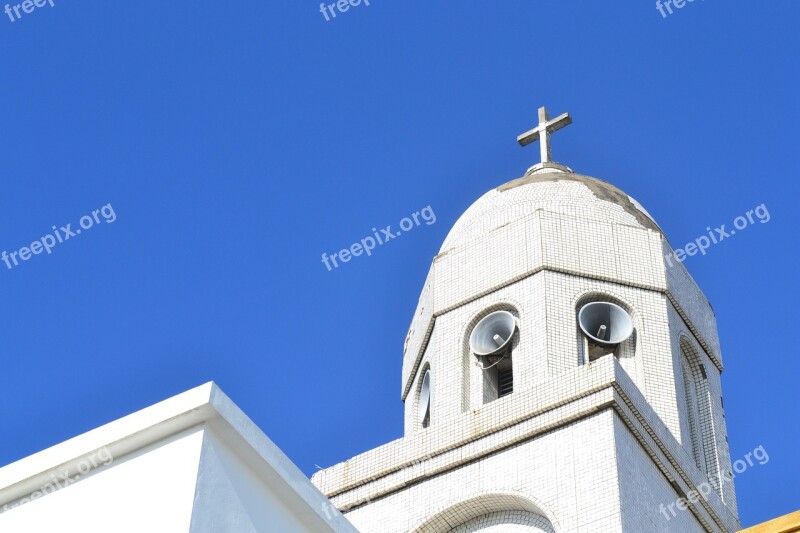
x=584 y=391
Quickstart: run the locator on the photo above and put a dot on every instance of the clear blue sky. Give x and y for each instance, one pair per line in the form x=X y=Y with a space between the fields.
x=236 y=142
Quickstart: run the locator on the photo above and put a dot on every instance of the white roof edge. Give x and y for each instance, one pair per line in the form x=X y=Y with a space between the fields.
x=164 y=418
x=206 y=403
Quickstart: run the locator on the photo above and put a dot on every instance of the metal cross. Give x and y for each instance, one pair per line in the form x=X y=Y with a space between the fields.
x=543 y=130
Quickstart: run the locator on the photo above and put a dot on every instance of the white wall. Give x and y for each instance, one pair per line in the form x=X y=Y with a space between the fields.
x=232 y=498
x=570 y=474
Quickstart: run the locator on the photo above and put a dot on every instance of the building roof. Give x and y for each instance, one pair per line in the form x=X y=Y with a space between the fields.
x=130 y=436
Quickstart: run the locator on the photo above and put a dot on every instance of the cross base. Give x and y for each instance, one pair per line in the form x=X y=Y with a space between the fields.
x=549 y=166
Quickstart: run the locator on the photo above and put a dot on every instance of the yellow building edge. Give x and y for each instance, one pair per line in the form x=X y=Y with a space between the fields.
x=785 y=524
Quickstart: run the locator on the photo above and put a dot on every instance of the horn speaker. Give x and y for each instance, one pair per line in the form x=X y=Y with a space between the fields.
x=605 y=323
x=493 y=333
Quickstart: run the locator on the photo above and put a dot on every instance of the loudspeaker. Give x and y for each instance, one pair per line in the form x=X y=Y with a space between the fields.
x=493 y=333
x=605 y=323
x=424 y=408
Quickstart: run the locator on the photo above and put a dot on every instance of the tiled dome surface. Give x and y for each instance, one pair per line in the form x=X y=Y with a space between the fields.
x=559 y=192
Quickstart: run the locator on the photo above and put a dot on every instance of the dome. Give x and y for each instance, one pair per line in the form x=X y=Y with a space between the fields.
x=556 y=192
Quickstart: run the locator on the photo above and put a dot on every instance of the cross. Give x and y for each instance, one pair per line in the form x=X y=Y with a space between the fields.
x=543 y=130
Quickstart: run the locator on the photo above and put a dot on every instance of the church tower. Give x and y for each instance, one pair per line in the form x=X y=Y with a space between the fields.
x=561 y=374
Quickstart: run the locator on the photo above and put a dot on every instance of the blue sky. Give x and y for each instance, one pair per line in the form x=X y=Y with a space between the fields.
x=236 y=142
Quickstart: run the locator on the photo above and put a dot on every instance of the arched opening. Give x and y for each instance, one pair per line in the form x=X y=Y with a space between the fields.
x=424 y=397
x=491 y=340
x=495 y=512
x=697 y=404
x=506 y=522
x=692 y=412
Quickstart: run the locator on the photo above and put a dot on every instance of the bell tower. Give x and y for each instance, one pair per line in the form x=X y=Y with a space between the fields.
x=558 y=375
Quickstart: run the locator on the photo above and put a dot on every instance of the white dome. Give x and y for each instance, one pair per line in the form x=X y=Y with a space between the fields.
x=557 y=192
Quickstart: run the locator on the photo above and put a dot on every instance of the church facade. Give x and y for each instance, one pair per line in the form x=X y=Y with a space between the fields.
x=598 y=408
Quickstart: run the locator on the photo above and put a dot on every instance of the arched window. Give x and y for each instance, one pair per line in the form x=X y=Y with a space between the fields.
x=424 y=399
x=699 y=417
x=506 y=522
x=490 y=512
x=491 y=342
x=692 y=412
